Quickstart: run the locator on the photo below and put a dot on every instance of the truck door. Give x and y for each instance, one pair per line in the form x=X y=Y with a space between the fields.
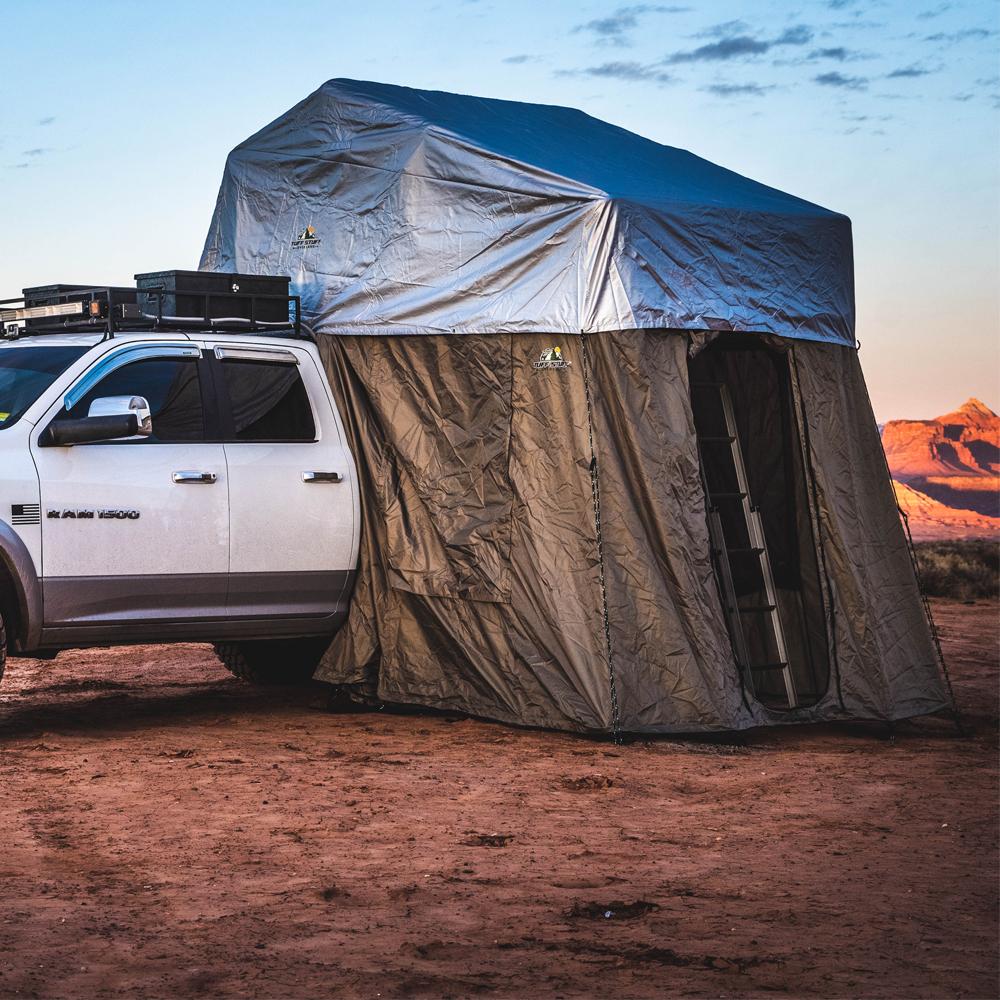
x=292 y=484
x=135 y=533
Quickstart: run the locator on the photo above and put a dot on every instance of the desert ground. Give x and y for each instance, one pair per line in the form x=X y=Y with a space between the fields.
x=171 y=832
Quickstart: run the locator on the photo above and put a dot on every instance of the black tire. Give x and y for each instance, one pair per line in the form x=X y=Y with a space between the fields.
x=273 y=661
x=3 y=647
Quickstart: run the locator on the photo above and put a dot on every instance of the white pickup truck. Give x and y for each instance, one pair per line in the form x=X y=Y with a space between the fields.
x=171 y=479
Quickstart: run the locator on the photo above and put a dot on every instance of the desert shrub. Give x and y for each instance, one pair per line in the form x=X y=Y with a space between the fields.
x=965 y=570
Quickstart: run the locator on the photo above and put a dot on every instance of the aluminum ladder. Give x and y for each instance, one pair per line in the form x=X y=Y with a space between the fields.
x=740 y=505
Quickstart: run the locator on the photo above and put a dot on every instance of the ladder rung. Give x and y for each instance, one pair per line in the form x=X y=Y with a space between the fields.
x=716 y=439
x=756 y=609
x=728 y=496
x=768 y=666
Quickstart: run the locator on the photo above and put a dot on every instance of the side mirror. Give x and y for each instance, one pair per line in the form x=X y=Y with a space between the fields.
x=110 y=418
x=122 y=406
x=90 y=430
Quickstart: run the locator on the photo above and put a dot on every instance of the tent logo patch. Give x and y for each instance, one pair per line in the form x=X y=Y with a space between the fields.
x=551 y=357
x=307 y=238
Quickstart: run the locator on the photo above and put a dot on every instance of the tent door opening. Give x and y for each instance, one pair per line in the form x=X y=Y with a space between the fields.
x=755 y=628
x=760 y=529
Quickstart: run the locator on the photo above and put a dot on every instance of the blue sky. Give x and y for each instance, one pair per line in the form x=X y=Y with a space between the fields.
x=117 y=117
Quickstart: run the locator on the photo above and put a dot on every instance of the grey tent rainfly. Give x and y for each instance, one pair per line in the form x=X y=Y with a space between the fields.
x=618 y=463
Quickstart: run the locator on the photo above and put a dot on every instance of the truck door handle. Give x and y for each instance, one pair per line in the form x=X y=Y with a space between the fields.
x=194 y=477
x=322 y=477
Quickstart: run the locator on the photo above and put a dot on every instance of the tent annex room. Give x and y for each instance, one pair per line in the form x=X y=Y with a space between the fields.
x=618 y=465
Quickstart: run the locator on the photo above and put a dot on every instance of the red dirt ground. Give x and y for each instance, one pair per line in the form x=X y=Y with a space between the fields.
x=170 y=832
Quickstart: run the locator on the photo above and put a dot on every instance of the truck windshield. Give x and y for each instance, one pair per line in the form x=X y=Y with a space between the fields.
x=26 y=372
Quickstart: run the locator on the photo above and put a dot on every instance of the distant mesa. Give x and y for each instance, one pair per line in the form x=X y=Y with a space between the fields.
x=931 y=520
x=963 y=443
x=946 y=471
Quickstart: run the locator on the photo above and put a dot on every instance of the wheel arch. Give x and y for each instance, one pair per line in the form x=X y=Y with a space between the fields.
x=18 y=569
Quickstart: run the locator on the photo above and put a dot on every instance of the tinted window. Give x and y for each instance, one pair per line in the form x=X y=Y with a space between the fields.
x=171 y=387
x=26 y=372
x=268 y=402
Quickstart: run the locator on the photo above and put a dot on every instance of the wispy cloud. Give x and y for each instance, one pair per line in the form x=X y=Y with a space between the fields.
x=520 y=59
x=741 y=46
x=615 y=28
x=800 y=34
x=727 y=48
x=632 y=72
x=838 y=53
x=867 y=118
x=907 y=72
x=47 y=121
x=835 y=79
x=724 y=29
x=926 y=15
x=857 y=25
x=37 y=151
x=737 y=89
x=966 y=34
x=968 y=95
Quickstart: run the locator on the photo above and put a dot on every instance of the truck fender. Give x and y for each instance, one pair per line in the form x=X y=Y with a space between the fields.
x=16 y=559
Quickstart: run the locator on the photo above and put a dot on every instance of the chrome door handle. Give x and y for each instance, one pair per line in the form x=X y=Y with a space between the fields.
x=194 y=477
x=322 y=477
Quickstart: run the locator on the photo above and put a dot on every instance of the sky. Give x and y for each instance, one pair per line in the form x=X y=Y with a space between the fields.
x=116 y=118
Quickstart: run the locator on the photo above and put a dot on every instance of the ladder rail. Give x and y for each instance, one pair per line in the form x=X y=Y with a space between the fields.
x=729 y=591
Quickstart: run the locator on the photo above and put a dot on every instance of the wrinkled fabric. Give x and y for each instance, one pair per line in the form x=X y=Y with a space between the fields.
x=531 y=650
x=438 y=213
x=886 y=661
x=526 y=642
x=542 y=656
x=670 y=652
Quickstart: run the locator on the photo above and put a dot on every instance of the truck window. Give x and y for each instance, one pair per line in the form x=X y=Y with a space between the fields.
x=172 y=388
x=268 y=402
x=26 y=372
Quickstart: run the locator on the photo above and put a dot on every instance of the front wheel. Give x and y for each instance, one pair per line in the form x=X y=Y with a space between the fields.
x=3 y=647
x=272 y=661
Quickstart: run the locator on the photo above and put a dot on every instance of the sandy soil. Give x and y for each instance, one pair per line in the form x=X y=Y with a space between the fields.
x=168 y=831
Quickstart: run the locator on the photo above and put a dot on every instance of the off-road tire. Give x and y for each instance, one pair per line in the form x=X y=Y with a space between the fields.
x=3 y=647
x=274 y=661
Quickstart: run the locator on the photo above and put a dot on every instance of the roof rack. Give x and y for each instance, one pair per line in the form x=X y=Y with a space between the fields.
x=163 y=300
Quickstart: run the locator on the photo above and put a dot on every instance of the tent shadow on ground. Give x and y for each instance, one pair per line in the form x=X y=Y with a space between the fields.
x=134 y=708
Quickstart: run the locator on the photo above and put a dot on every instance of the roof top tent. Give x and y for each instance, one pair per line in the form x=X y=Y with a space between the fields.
x=620 y=470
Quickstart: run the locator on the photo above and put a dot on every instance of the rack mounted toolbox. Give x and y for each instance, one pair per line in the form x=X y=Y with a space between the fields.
x=182 y=294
